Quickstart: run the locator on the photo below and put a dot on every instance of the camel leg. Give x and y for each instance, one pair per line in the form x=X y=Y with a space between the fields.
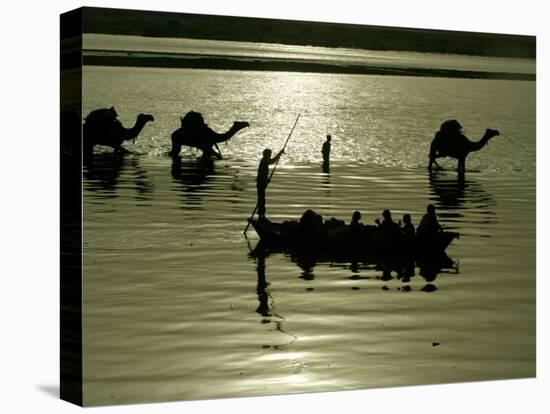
x=209 y=152
x=462 y=165
x=88 y=150
x=433 y=161
x=175 y=151
x=121 y=150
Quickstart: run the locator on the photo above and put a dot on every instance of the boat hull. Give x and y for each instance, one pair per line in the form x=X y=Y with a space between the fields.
x=346 y=241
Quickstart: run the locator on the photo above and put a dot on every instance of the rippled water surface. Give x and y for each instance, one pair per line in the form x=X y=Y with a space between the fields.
x=177 y=307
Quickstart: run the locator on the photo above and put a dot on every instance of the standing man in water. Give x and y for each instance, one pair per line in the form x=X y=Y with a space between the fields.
x=326 y=150
x=262 y=180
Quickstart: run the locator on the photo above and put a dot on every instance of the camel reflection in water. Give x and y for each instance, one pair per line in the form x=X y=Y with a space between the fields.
x=459 y=199
x=196 y=177
x=193 y=177
x=104 y=175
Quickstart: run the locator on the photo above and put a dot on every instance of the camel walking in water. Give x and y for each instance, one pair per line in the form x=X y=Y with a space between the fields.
x=450 y=142
x=195 y=133
x=101 y=127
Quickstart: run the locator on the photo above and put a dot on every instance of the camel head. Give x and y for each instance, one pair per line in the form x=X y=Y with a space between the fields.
x=144 y=118
x=238 y=125
x=490 y=133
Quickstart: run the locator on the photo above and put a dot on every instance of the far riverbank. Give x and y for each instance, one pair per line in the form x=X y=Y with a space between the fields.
x=197 y=61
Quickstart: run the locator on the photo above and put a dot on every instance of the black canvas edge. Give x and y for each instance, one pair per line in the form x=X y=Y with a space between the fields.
x=71 y=372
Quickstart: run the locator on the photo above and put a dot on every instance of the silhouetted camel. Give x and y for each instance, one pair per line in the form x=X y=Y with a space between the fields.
x=102 y=127
x=194 y=132
x=450 y=142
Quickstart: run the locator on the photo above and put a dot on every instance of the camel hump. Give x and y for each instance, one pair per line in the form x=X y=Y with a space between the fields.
x=450 y=127
x=192 y=121
x=102 y=115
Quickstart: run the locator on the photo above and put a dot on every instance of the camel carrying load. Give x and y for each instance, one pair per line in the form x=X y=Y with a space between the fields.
x=450 y=142
x=101 y=127
x=195 y=133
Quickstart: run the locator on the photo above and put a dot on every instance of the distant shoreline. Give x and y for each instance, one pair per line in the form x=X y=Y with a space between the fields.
x=281 y=65
x=304 y=33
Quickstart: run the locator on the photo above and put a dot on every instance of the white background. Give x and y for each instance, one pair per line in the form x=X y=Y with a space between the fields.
x=29 y=177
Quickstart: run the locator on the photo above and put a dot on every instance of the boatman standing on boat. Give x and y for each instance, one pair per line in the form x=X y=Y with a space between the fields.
x=262 y=180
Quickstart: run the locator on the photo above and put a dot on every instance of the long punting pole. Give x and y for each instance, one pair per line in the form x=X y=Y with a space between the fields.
x=272 y=172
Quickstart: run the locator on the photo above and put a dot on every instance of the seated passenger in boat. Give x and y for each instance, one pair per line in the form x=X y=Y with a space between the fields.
x=355 y=224
x=408 y=228
x=388 y=228
x=387 y=223
x=311 y=222
x=333 y=224
x=429 y=226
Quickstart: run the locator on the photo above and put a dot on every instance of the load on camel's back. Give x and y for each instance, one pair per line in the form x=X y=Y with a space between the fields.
x=449 y=141
x=195 y=133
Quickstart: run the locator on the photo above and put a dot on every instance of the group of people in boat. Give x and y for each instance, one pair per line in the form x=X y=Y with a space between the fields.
x=428 y=228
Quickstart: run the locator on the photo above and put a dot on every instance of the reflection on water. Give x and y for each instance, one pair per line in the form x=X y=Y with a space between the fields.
x=385 y=268
x=452 y=192
x=261 y=288
x=266 y=307
x=192 y=177
x=455 y=195
x=103 y=172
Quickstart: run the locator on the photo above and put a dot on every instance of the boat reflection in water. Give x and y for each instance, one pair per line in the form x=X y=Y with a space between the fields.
x=402 y=267
x=266 y=306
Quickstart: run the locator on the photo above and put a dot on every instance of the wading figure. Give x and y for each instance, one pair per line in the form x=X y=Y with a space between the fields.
x=450 y=142
x=326 y=150
x=262 y=180
x=194 y=132
x=101 y=127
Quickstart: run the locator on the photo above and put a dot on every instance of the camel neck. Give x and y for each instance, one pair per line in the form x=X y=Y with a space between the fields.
x=476 y=146
x=136 y=129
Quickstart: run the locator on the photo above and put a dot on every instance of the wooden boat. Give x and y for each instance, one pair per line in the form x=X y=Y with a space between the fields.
x=340 y=239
